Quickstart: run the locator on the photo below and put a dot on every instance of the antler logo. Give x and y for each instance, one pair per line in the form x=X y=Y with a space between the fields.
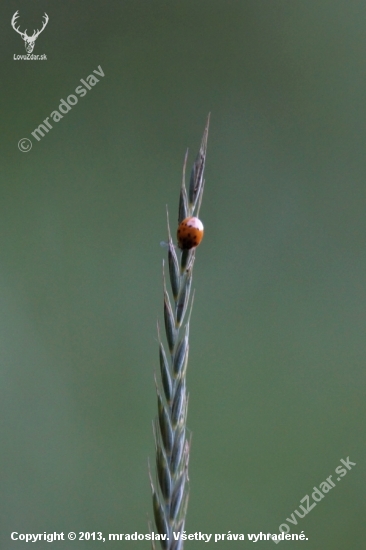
x=29 y=41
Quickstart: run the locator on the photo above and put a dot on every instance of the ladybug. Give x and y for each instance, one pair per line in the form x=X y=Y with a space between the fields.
x=190 y=233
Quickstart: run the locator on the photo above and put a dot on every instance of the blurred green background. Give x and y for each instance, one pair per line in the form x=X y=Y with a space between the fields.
x=277 y=359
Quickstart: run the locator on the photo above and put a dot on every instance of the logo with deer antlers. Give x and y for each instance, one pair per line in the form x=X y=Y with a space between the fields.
x=29 y=41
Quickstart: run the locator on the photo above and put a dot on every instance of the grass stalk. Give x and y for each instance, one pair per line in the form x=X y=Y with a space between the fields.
x=170 y=490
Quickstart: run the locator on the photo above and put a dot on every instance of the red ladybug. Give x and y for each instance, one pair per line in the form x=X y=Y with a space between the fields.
x=190 y=233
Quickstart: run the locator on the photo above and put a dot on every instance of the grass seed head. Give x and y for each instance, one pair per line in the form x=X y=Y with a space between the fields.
x=170 y=492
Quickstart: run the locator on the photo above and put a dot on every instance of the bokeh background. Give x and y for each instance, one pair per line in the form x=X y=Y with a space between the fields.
x=277 y=362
